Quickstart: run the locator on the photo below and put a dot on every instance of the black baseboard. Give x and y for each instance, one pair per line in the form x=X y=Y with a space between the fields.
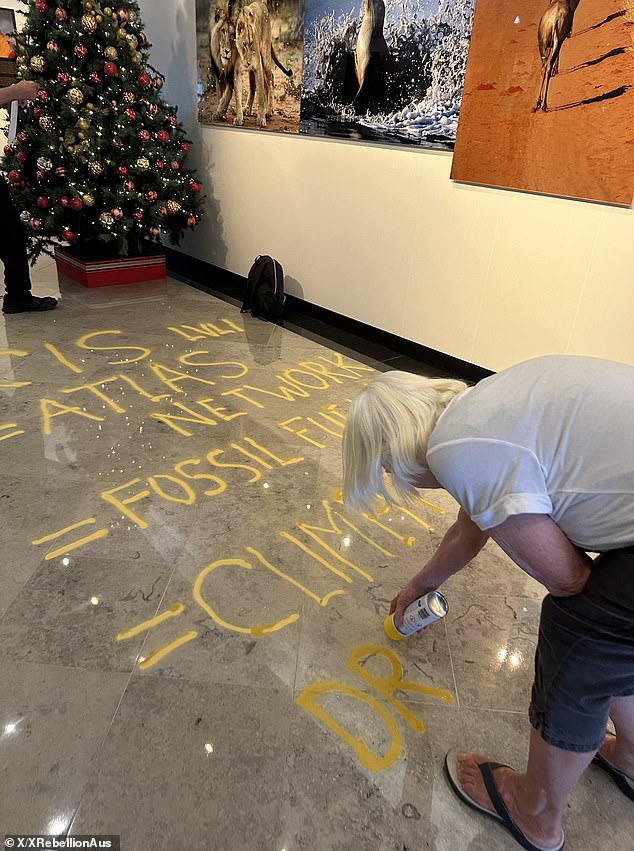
x=388 y=348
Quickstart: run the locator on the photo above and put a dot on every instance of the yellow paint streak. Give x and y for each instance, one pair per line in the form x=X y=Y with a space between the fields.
x=121 y=504
x=386 y=686
x=406 y=541
x=364 y=537
x=280 y=461
x=259 y=629
x=322 y=601
x=370 y=760
x=166 y=649
x=311 y=531
x=47 y=416
x=323 y=427
x=18 y=353
x=12 y=433
x=61 y=532
x=143 y=392
x=15 y=383
x=316 y=556
x=173 y=611
x=60 y=357
x=101 y=533
x=431 y=505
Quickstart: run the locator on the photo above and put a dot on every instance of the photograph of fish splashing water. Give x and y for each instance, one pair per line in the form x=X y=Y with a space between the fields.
x=428 y=57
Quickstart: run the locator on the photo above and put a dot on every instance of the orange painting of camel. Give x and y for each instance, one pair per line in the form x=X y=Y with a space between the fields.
x=548 y=102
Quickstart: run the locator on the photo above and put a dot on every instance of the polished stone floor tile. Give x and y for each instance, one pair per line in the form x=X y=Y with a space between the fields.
x=190 y=765
x=53 y=721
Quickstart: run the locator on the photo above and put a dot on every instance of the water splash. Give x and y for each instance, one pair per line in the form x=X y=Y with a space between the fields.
x=430 y=56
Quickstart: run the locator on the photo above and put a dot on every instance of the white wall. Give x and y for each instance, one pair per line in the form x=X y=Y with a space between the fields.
x=382 y=235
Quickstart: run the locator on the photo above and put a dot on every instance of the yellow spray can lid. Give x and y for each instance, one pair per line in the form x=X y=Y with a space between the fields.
x=391 y=630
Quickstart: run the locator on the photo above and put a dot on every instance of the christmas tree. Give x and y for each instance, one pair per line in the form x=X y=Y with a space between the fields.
x=99 y=159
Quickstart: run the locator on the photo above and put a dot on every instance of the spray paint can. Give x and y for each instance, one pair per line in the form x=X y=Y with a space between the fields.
x=422 y=612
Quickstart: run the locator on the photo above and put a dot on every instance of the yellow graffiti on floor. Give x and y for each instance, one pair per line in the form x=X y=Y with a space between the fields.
x=386 y=687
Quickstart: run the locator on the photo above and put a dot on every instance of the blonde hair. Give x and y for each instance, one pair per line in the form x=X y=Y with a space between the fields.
x=390 y=421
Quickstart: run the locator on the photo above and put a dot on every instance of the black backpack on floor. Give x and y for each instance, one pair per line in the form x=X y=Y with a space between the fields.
x=265 y=289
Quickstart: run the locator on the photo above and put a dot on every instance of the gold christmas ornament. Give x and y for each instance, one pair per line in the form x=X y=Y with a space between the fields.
x=132 y=40
x=88 y=199
x=98 y=18
x=121 y=34
x=173 y=206
x=95 y=168
x=128 y=97
x=143 y=163
x=88 y=5
x=25 y=216
x=37 y=64
x=44 y=163
x=46 y=123
x=106 y=219
x=136 y=58
x=86 y=145
x=75 y=96
x=111 y=52
x=88 y=23
x=81 y=136
x=83 y=124
x=107 y=12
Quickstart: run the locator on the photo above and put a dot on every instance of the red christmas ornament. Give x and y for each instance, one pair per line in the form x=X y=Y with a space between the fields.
x=22 y=137
x=160 y=165
x=184 y=147
x=152 y=195
x=155 y=232
x=110 y=69
x=194 y=186
x=191 y=221
x=144 y=135
x=130 y=113
x=153 y=109
x=60 y=14
x=122 y=14
x=122 y=170
x=128 y=185
x=76 y=203
x=41 y=6
x=64 y=201
x=143 y=80
x=60 y=171
x=39 y=175
x=42 y=96
x=162 y=211
x=68 y=235
x=20 y=156
x=174 y=165
x=53 y=46
x=63 y=78
x=158 y=82
x=37 y=112
x=81 y=52
x=138 y=216
x=116 y=213
x=172 y=120
x=14 y=177
x=163 y=136
x=42 y=202
x=8 y=149
x=94 y=77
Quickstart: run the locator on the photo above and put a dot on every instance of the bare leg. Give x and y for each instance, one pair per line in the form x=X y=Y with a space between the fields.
x=535 y=799
x=619 y=749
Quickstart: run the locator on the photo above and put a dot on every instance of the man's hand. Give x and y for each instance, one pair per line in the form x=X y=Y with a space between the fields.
x=414 y=589
x=25 y=90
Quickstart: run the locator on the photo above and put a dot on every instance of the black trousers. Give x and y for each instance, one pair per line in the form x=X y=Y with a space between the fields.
x=17 y=280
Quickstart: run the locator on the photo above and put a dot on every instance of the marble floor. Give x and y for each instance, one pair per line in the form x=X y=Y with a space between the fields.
x=192 y=653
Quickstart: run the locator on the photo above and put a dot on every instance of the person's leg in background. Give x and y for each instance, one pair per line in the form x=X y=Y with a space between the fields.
x=17 y=279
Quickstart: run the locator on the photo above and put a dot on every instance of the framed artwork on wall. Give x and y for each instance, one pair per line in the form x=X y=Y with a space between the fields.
x=250 y=63
x=548 y=102
x=390 y=71
x=8 y=64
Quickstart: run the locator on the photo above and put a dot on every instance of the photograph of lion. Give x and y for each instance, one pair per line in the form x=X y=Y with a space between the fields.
x=548 y=102
x=250 y=63
x=385 y=70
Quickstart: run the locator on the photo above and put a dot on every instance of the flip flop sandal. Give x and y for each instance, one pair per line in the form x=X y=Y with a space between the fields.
x=625 y=784
x=501 y=814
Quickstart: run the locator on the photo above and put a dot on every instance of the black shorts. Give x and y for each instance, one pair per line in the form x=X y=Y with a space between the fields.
x=585 y=656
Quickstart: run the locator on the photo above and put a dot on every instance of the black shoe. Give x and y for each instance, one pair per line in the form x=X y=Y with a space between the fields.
x=28 y=303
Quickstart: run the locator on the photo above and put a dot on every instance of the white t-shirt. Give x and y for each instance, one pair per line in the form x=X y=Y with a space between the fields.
x=553 y=435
